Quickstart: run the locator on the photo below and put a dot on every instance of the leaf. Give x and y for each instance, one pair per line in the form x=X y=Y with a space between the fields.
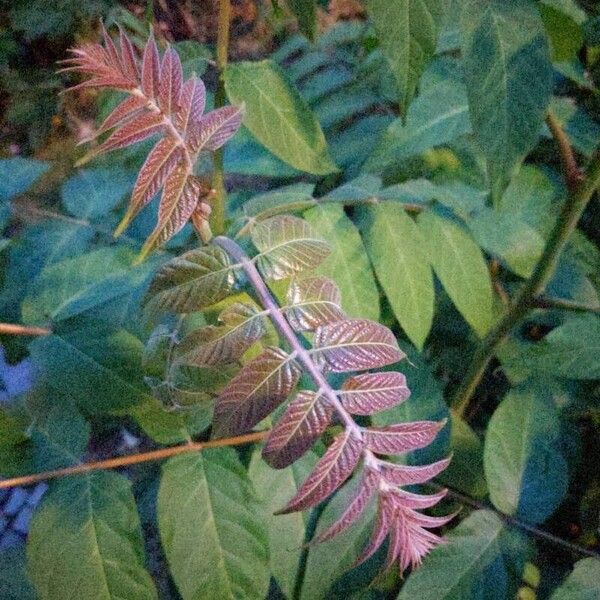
x=171 y=77
x=287 y=246
x=287 y=199
x=133 y=132
x=214 y=129
x=354 y=345
x=261 y=385
x=297 y=429
x=313 y=302
x=570 y=350
x=509 y=81
x=93 y=193
x=286 y=532
x=17 y=174
x=193 y=281
x=90 y=521
x=407 y=32
x=368 y=393
x=331 y=471
x=582 y=584
x=191 y=104
x=479 y=556
x=461 y=267
x=151 y=69
x=277 y=116
x=306 y=13
x=211 y=528
x=396 y=248
x=527 y=474
x=408 y=475
x=347 y=264
x=14 y=582
x=563 y=21
x=401 y=437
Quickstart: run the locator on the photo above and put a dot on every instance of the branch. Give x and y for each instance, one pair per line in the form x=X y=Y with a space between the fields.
x=13 y=329
x=525 y=300
x=572 y=172
x=132 y=459
x=564 y=304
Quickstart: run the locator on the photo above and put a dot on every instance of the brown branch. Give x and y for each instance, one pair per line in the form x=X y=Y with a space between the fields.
x=13 y=329
x=133 y=459
x=573 y=174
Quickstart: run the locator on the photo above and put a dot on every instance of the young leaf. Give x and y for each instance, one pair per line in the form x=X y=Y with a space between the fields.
x=401 y=437
x=170 y=82
x=355 y=345
x=214 y=129
x=509 y=80
x=192 y=281
x=407 y=32
x=277 y=116
x=368 y=393
x=288 y=246
x=211 y=528
x=396 y=248
x=90 y=521
x=461 y=267
x=297 y=429
x=407 y=475
x=261 y=385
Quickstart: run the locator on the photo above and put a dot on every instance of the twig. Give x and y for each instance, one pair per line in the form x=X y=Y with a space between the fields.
x=564 y=304
x=14 y=329
x=498 y=287
x=567 y=221
x=132 y=459
x=572 y=172
x=217 y=217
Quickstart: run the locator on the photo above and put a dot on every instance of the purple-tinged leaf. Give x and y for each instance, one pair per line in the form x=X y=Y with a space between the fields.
x=111 y=50
x=177 y=203
x=383 y=522
x=159 y=165
x=288 y=246
x=401 y=437
x=304 y=420
x=403 y=500
x=191 y=105
x=313 y=302
x=408 y=475
x=151 y=70
x=409 y=543
x=133 y=132
x=221 y=345
x=214 y=129
x=171 y=78
x=336 y=465
x=432 y=522
x=128 y=57
x=369 y=393
x=191 y=282
x=261 y=385
x=354 y=345
x=358 y=503
x=131 y=107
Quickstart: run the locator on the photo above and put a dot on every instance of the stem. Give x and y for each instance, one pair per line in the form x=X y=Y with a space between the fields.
x=526 y=298
x=572 y=172
x=13 y=329
x=217 y=217
x=132 y=459
x=564 y=304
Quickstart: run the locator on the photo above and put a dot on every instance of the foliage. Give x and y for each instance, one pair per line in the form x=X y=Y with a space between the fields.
x=393 y=186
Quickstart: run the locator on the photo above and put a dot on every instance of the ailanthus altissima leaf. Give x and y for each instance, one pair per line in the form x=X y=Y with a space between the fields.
x=368 y=393
x=215 y=129
x=287 y=246
x=192 y=281
x=401 y=437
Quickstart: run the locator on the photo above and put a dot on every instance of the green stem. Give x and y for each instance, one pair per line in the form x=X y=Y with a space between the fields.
x=565 y=304
x=528 y=295
x=217 y=217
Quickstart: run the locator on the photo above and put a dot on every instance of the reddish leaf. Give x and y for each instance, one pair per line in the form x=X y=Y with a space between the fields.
x=383 y=522
x=402 y=499
x=111 y=50
x=407 y=475
x=171 y=77
x=303 y=421
x=128 y=57
x=131 y=107
x=133 y=132
x=151 y=69
x=191 y=105
x=215 y=128
x=355 y=344
x=369 y=393
x=261 y=385
x=402 y=437
x=331 y=471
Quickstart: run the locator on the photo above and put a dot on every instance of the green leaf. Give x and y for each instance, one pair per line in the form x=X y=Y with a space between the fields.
x=76 y=285
x=525 y=470
x=408 y=32
x=509 y=80
x=460 y=266
x=275 y=487
x=328 y=561
x=85 y=541
x=291 y=198
x=582 y=584
x=480 y=560
x=347 y=264
x=93 y=193
x=306 y=13
x=98 y=368
x=396 y=248
x=571 y=350
x=563 y=21
x=211 y=528
x=438 y=116
x=17 y=174
x=277 y=115
x=14 y=582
